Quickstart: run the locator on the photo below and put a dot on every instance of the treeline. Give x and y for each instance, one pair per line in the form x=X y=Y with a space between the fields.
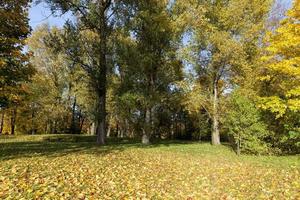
x=224 y=70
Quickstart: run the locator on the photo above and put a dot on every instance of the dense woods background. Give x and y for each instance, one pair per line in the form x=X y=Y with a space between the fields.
x=222 y=70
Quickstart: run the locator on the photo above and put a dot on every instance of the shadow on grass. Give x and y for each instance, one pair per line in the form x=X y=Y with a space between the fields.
x=53 y=146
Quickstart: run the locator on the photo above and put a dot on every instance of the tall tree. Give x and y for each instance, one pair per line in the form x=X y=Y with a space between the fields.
x=14 y=66
x=152 y=40
x=95 y=18
x=280 y=72
x=49 y=89
x=57 y=99
x=14 y=29
x=222 y=33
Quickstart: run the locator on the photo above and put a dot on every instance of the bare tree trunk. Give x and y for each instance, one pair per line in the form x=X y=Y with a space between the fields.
x=55 y=127
x=81 y=125
x=32 y=123
x=48 y=127
x=145 y=138
x=119 y=133
x=238 y=149
x=13 y=121
x=93 y=129
x=101 y=121
x=131 y=134
x=122 y=134
x=127 y=128
x=102 y=73
x=176 y=128
x=147 y=130
x=171 y=136
x=2 y=121
x=109 y=127
x=215 y=137
x=200 y=134
x=108 y=131
x=117 y=129
x=73 y=126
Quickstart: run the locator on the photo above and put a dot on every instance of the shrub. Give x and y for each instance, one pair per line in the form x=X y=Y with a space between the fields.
x=244 y=124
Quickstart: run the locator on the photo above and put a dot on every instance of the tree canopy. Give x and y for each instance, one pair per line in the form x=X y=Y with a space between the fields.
x=223 y=71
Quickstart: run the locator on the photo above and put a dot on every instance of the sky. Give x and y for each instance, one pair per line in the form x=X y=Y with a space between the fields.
x=40 y=14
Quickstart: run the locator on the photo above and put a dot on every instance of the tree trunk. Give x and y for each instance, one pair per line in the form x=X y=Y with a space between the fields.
x=117 y=128
x=81 y=124
x=147 y=130
x=13 y=121
x=122 y=133
x=2 y=121
x=101 y=74
x=171 y=136
x=55 y=127
x=108 y=131
x=215 y=137
x=73 y=126
x=101 y=121
x=48 y=126
x=200 y=132
x=238 y=149
x=93 y=128
x=127 y=128
x=119 y=133
x=145 y=138
x=32 y=123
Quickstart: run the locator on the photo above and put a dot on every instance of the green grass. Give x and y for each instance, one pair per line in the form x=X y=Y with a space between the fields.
x=74 y=167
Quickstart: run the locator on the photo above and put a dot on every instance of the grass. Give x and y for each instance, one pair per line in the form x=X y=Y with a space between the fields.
x=74 y=167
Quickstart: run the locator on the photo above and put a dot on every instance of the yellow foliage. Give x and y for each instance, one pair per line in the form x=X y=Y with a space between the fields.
x=282 y=64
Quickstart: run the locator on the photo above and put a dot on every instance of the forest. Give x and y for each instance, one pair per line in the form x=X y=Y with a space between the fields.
x=150 y=99
x=219 y=71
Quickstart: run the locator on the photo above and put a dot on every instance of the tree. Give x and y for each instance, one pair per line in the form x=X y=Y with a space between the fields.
x=221 y=35
x=53 y=99
x=279 y=76
x=14 y=29
x=95 y=19
x=281 y=65
x=47 y=102
x=197 y=105
x=151 y=38
x=14 y=66
x=243 y=121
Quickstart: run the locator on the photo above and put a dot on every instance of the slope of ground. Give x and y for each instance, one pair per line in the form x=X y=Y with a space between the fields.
x=73 y=167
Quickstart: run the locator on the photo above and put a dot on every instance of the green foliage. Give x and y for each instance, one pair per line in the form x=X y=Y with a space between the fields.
x=288 y=138
x=144 y=83
x=14 y=66
x=159 y=68
x=244 y=123
x=221 y=48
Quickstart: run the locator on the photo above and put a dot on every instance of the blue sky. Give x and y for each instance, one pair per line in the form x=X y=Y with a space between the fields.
x=40 y=14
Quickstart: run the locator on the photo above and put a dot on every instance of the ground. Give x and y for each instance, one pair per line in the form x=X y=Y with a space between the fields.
x=74 y=167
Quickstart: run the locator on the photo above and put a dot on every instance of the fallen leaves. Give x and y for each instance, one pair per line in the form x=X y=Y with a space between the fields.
x=143 y=173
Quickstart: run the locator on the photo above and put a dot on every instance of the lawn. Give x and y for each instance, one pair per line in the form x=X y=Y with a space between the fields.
x=73 y=167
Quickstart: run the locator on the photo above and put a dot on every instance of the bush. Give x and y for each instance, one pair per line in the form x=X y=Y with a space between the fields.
x=244 y=124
